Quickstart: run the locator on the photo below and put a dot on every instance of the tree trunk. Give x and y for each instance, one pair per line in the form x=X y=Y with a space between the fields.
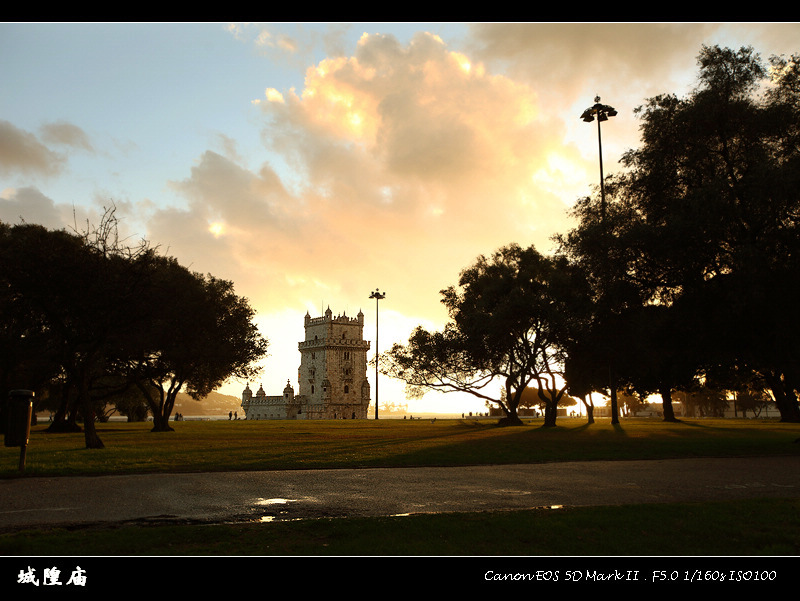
x=64 y=419
x=589 y=410
x=785 y=399
x=666 y=404
x=511 y=405
x=612 y=384
x=510 y=420
x=90 y=432
x=791 y=405
x=160 y=408
x=161 y=423
x=788 y=407
x=63 y=423
x=550 y=413
x=161 y=416
x=510 y=409
x=90 y=435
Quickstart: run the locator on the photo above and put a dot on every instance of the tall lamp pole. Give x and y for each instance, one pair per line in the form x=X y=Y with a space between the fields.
x=602 y=112
x=377 y=295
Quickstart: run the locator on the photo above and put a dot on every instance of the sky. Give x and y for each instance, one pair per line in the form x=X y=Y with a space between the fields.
x=312 y=163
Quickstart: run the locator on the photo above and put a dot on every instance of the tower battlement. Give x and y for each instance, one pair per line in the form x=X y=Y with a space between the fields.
x=329 y=318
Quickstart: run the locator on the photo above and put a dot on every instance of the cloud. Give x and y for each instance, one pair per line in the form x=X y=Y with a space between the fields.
x=411 y=161
x=405 y=162
x=567 y=61
x=29 y=205
x=291 y=43
x=22 y=152
x=568 y=64
x=66 y=134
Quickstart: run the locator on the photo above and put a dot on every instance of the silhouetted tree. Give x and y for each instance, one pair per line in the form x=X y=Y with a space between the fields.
x=661 y=356
x=26 y=357
x=508 y=321
x=750 y=399
x=706 y=212
x=717 y=176
x=603 y=246
x=583 y=372
x=200 y=334
x=85 y=316
x=79 y=295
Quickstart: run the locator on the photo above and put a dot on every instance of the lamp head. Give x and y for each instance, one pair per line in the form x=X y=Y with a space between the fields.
x=603 y=112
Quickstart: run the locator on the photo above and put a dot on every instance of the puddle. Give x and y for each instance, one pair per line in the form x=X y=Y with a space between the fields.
x=278 y=509
x=270 y=503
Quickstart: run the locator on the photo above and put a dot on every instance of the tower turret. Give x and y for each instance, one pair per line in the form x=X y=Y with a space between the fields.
x=247 y=397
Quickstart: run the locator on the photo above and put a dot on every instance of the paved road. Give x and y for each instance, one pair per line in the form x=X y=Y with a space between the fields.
x=279 y=495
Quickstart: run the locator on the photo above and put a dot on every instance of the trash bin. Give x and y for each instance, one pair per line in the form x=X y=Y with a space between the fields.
x=19 y=409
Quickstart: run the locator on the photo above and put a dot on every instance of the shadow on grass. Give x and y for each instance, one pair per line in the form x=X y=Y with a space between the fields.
x=580 y=441
x=215 y=446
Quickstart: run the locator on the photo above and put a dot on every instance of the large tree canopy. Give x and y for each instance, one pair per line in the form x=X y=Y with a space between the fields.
x=511 y=318
x=704 y=221
x=78 y=301
x=97 y=316
x=201 y=334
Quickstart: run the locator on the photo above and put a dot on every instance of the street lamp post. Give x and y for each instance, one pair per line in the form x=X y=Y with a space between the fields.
x=602 y=112
x=377 y=295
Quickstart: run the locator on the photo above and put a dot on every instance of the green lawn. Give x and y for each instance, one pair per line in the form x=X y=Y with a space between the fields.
x=757 y=527
x=258 y=445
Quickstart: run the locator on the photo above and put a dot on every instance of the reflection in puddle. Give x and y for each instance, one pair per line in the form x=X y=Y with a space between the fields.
x=270 y=502
x=281 y=501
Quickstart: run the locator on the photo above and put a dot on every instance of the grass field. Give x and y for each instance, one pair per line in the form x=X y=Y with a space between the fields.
x=257 y=445
x=762 y=527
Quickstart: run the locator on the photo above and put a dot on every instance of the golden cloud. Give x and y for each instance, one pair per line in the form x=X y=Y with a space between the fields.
x=413 y=159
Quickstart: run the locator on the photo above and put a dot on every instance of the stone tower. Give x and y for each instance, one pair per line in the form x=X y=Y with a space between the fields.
x=332 y=376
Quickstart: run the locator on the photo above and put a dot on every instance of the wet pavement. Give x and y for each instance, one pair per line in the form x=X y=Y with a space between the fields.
x=284 y=495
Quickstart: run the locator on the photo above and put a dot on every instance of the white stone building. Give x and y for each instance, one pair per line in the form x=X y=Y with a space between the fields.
x=332 y=377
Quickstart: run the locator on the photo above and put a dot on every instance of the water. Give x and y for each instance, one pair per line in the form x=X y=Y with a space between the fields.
x=414 y=416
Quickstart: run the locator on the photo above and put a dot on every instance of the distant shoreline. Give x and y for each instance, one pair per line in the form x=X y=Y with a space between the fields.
x=398 y=416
